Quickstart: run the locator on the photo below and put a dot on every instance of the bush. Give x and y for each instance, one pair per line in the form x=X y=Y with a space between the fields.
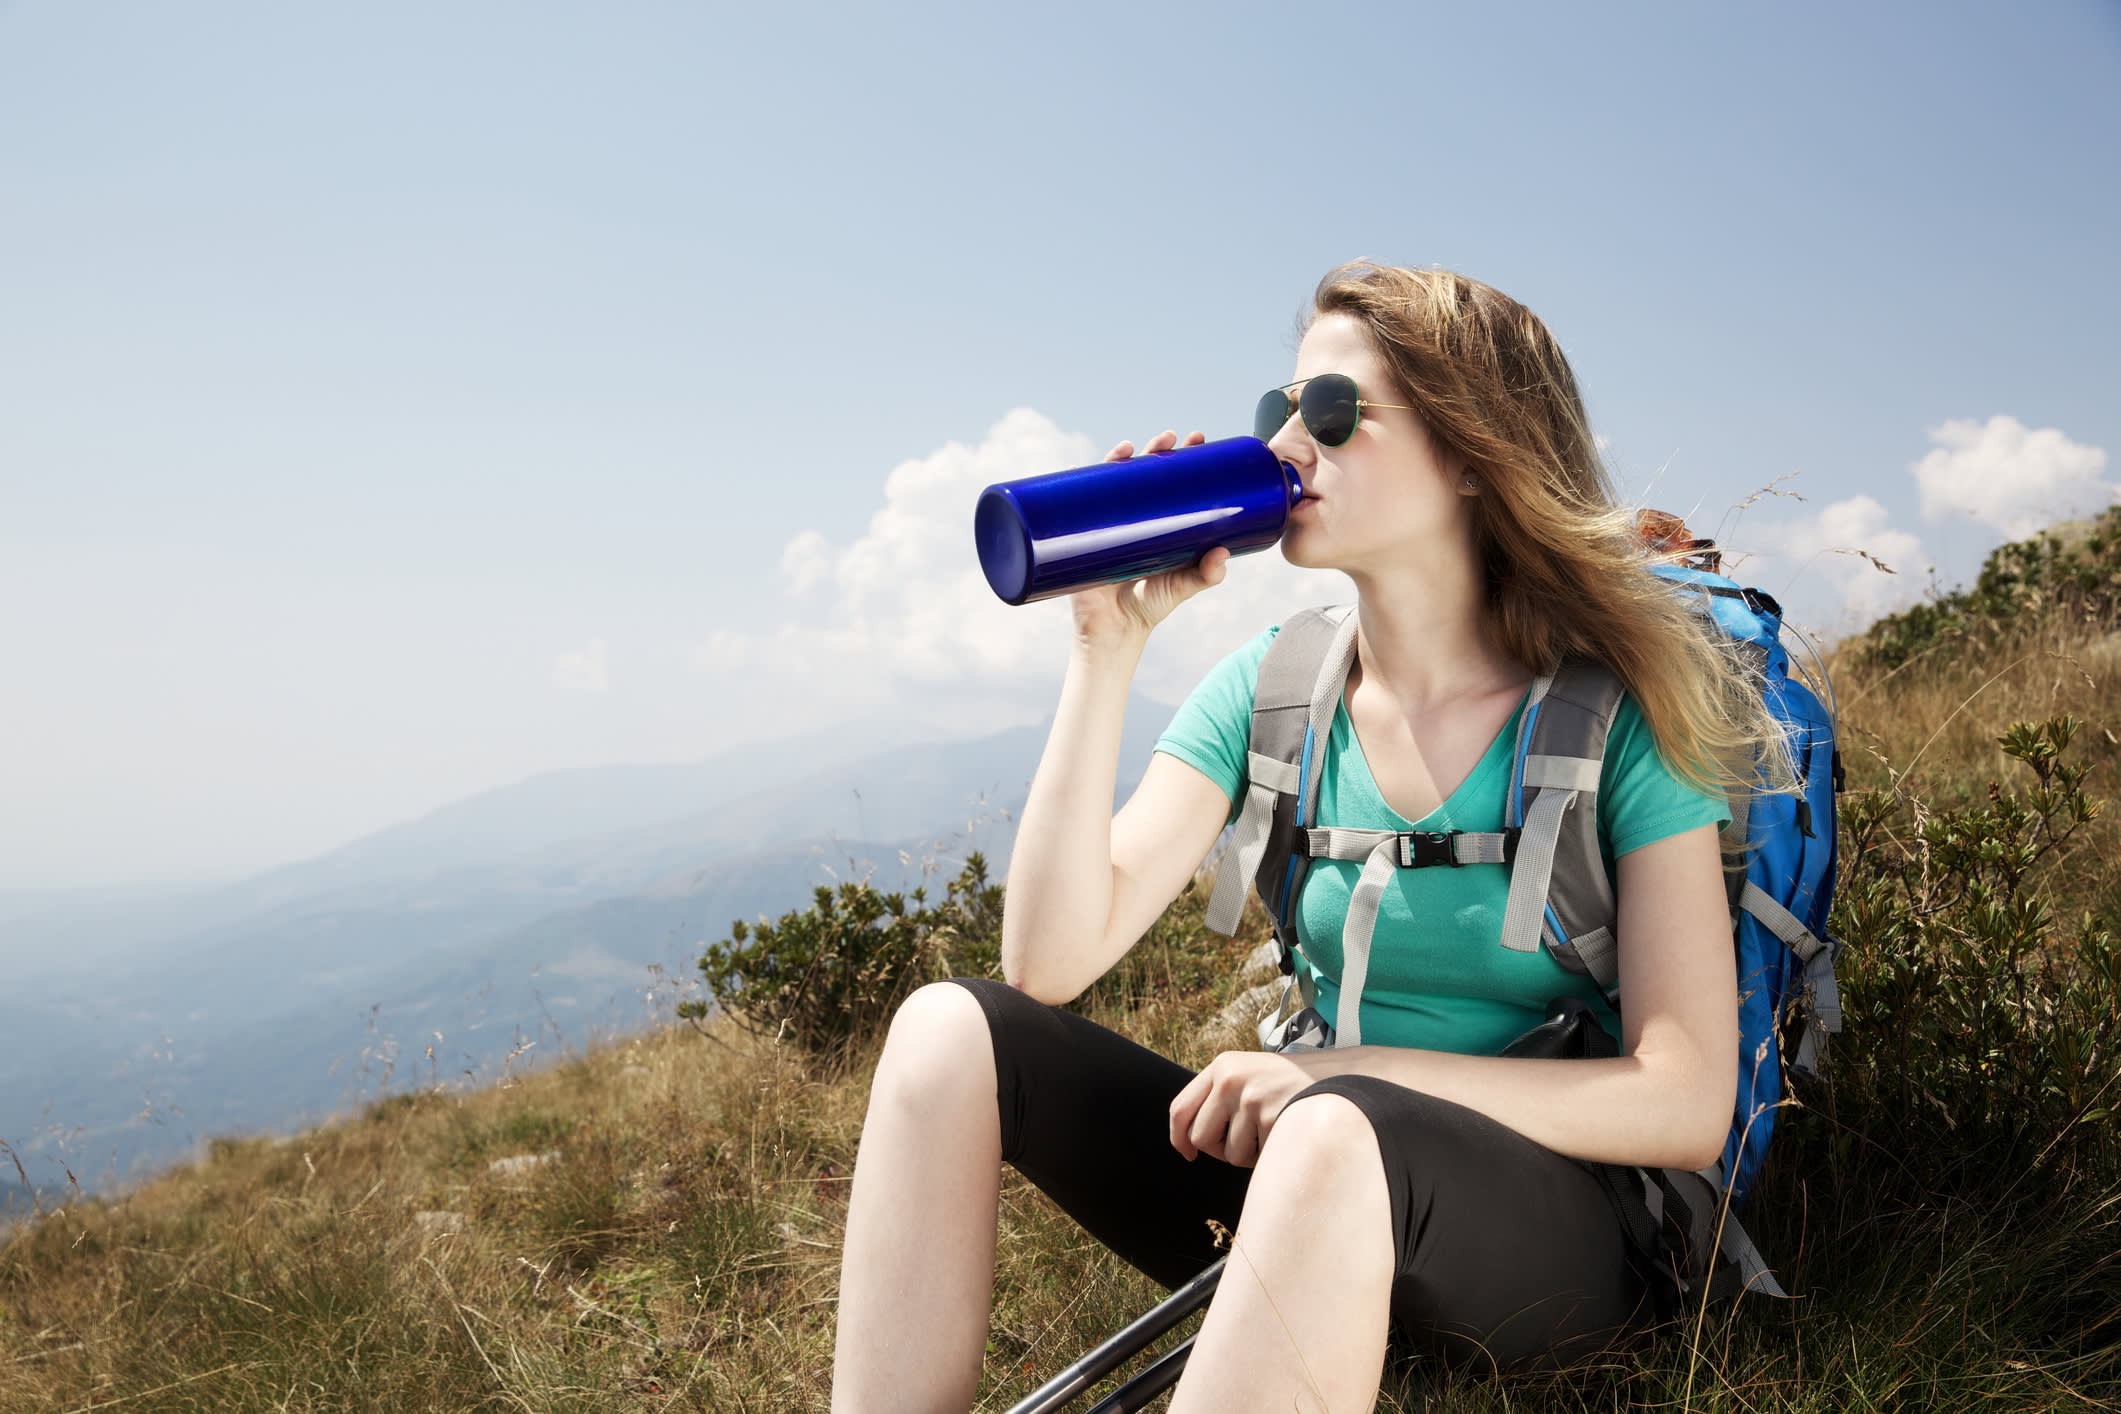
x=2075 y=569
x=1982 y=1056
x=825 y=976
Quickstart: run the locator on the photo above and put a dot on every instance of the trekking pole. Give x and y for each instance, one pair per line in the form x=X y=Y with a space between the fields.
x=1100 y=1362
x=1137 y=1392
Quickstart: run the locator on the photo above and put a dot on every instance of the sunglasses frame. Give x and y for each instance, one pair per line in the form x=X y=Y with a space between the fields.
x=1296 y=408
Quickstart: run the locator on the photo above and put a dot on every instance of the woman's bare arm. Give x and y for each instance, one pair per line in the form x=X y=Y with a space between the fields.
x=1084 y=884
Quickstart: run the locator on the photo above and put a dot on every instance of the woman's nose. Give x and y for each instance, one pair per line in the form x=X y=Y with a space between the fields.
x=1293 y=443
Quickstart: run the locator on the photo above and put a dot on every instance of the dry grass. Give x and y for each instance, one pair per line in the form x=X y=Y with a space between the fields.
x=681 y=1253
x=1928 y=729
x=692 y=1205
x=680 y=1248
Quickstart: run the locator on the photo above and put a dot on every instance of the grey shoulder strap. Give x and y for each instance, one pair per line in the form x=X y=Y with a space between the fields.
x=1299 y=685
x=1558 y=883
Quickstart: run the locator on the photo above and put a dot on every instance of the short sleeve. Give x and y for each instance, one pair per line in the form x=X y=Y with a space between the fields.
x=1640 y=799
x=1212 y=730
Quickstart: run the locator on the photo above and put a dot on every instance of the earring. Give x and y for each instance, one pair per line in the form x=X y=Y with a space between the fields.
x=1472 y=481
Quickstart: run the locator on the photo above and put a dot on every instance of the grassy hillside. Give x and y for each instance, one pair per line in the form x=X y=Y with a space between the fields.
x=1948 y=1212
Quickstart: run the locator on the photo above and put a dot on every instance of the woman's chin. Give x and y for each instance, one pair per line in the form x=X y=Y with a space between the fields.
x=1297 y=548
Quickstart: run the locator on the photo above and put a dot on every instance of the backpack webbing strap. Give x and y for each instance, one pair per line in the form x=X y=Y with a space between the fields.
x=1735 y=841
x=1739 y=1265
x=1417 y=849
x=1356 y=934
x=1525 y=914
x=1823 y=997
x=1577 y=773
x=1822 y=994
x=1680 y=1226
x=1779 y=920
x=1267 y=779
x=1383 y=853
x=1558 y=881
x=1304 y=667
x=1325 y=699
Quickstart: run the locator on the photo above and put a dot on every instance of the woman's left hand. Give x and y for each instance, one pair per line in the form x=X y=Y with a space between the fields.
x=1228 y=1109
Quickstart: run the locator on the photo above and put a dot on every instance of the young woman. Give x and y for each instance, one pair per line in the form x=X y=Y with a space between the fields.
x=1418 y=1182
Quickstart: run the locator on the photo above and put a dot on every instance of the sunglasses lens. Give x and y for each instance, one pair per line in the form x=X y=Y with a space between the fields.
x=1274 y=411
x=1329 y=408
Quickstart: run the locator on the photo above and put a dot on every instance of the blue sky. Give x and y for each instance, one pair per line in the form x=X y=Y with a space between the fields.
x=401 y=399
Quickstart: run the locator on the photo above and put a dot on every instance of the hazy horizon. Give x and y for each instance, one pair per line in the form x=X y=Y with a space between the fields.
x=409 y=401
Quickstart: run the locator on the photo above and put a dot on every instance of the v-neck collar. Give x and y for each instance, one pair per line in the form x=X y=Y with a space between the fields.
x=1479 y=783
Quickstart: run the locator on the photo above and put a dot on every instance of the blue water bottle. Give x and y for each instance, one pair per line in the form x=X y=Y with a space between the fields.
x=1115 y=521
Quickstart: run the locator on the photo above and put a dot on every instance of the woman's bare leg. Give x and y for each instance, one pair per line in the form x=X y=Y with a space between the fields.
x=1300 y=1317
x=917 y=1266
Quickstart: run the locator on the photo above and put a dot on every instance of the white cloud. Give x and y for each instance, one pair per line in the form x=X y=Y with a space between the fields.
x=583 y=670
x=806 y=560
x=1828 y=568
x=909 y=618
x=2011 y=477
x=1842 y=567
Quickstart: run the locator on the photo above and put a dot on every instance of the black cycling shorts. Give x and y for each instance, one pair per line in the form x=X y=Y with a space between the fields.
x=1507 y=1252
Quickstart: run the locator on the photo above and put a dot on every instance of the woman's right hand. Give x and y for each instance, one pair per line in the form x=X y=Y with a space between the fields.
x=1116 y=611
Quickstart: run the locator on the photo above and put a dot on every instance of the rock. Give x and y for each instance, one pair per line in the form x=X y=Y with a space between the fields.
x=1243 y=1013
x=516 y=1165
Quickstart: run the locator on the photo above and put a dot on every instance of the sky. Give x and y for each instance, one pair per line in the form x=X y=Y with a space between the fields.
x=398 y=400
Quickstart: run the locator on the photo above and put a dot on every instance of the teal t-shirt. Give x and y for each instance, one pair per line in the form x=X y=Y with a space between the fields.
x=1440 y=978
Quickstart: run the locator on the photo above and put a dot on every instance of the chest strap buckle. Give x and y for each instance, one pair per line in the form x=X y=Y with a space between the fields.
x=1419 y=849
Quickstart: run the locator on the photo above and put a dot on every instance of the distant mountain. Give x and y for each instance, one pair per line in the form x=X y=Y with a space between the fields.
x=43 y=931
x=308 y=985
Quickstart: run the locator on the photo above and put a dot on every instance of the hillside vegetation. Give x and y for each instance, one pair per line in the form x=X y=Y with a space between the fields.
x=655 y=1224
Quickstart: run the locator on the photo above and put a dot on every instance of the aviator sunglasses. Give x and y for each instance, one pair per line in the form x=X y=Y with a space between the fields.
x=1329 y=405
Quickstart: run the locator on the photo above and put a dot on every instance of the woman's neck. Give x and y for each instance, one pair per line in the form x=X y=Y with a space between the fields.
x=1424 y=635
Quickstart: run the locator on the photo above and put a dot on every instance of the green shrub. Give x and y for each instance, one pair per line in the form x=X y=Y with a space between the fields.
x=2073 y=568
x=828 y=975
x=1981 y=1060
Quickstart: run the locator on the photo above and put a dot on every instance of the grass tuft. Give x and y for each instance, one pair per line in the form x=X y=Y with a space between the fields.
x=1947 y=1207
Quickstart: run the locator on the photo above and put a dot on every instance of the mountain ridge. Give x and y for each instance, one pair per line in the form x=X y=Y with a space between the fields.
x=236 y=1024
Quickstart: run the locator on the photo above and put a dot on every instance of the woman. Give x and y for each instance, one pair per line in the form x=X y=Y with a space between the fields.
x=1417 y=1182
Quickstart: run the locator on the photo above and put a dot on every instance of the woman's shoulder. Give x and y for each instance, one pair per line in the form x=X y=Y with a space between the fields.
x=1640 y=797
x=1229 y=686
x=1234 y=675
x=1210 y=729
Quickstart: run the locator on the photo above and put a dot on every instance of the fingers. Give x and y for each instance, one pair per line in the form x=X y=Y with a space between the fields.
x=1241 y=1144
x=1163 y=441
x=1209 y=572
x=1209 y=1131
x=1200 y=1114
x=1182 y=1112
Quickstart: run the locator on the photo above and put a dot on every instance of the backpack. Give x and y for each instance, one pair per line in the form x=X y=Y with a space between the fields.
x=1779 y=856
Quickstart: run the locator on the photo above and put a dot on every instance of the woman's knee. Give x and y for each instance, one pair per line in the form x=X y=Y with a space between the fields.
x=1321 y=1158
x=1324 y=1132
x=939 y=1044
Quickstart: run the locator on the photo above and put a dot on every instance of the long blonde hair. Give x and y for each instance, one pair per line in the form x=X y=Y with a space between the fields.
x=1566 y=575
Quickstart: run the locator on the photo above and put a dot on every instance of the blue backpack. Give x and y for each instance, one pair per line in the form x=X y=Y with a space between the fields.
x=1560 y=896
